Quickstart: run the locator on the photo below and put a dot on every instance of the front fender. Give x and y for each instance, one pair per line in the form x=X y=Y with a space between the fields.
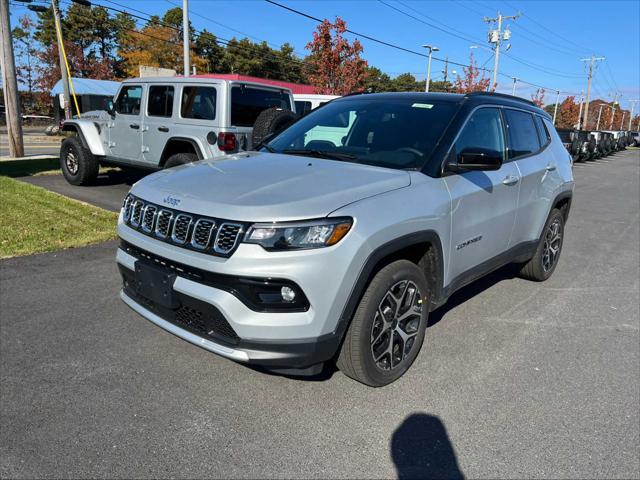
x=89 y=133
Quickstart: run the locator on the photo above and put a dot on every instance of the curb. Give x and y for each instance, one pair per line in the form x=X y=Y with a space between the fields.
x=30 y=157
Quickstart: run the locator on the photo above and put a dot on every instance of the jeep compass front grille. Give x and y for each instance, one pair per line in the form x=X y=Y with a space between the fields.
x=204 y=234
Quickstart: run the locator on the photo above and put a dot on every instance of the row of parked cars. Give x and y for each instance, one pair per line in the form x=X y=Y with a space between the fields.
x=586 y=145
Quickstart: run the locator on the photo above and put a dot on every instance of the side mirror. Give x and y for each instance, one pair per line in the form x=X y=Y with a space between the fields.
x=475 y=158
x=111 y=109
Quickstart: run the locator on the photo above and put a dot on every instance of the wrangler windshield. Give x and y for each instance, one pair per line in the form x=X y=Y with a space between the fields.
x=392 y=133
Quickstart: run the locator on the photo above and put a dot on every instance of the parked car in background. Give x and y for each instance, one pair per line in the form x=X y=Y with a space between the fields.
x=635 y=139
x=311 y=251
x=164 y=122
x=587 y=145
x=307 y=102
x=571 y=142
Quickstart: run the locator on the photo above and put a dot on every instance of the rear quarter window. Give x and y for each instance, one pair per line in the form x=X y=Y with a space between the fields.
x=247 y=103
x=198 y=103
x=522 y=133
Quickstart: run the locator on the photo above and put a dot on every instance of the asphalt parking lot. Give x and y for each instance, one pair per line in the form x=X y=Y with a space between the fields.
x=516 y=379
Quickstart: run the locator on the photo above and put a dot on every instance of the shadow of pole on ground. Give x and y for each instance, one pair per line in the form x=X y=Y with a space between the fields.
x=420 y=448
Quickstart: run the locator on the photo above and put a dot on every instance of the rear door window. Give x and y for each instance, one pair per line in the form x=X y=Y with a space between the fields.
x=247 y=103
x=198 y=103
x=160 y=101
x=302 y=107
x=129 y=99
x=523 y=134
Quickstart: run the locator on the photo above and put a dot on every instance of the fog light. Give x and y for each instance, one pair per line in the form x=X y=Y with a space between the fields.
x=288 y=294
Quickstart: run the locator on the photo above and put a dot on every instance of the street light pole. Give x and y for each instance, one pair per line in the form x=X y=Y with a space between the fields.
x=613 y=111
x=431 y=50
x=599 y=115
x=624 y=114
x=555 y=110
x=633 y=104
x=513 y=90
x=580 y=112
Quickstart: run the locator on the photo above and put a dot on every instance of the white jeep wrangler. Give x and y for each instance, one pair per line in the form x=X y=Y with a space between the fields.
x=159 y=123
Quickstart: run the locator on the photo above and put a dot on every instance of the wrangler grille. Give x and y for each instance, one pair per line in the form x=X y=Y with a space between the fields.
x=217 y=237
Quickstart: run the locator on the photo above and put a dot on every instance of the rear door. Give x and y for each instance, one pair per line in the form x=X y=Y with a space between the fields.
x=158 y=123
x=125 y=130
x=530 y=147
x=483 y=203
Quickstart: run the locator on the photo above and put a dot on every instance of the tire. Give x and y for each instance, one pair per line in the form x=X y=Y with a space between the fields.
x=180 y=159
x=77 y=163
x=538 y=268
x=270 y=121
x=356 y=358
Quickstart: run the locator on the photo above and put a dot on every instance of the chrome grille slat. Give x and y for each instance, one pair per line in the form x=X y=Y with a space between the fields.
x=202 y=231
x=126 y=208
x=136 y=213
x=195 y=232
x=181 y=226
x=227 y=237
x=148 y=218
x=163 y=223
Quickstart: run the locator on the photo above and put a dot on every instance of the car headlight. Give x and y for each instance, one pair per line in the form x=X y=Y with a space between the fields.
x=299 y=235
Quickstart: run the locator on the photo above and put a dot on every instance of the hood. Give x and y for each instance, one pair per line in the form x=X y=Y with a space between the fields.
x=255 y=186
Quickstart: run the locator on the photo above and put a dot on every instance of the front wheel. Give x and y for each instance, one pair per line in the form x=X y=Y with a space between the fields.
x=541 y=266
x=388 y=328
x=78 y=164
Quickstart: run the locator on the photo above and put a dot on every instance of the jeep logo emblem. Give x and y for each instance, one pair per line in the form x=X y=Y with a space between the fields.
x=169 y=200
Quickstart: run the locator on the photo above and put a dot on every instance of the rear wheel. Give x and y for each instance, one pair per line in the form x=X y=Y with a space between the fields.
x=543 y=263
x=78 y=164
x=180 y=159
x=388 y=328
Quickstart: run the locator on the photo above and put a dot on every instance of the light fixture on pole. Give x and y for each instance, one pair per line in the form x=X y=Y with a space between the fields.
x=431 y=50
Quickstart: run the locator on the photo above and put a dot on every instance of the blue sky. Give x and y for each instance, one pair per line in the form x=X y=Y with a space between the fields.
x=551 y=36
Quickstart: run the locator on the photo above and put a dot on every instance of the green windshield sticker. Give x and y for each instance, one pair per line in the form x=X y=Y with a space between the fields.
x=422 y=105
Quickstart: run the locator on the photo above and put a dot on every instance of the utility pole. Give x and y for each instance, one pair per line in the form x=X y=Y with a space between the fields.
x=445 y=71
x=431 y=50
x=633 y=104
x=185 y=35
x=63 y=68
x=599 y=115
x=513 y=90
x=555 y=110
x=613 y=110
x=580 y=112
x=592 y=61
x=496 y=36
x=624 y=114
x=10 y=83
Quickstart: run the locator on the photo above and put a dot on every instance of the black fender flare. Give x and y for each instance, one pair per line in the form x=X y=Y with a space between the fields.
x=386 y=250
x=191 y=141
x=73 y=128
x=566 y=195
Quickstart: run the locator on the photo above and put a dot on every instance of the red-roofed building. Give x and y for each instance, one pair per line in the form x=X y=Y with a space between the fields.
x=294 y=87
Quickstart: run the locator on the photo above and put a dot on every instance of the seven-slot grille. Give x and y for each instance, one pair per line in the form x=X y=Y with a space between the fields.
x=218 y=237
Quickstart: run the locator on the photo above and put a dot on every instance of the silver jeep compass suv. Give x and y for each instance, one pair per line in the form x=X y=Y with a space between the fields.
x=337 y=238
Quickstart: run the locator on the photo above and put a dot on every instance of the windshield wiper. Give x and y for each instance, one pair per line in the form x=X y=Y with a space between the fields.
x=320 y=154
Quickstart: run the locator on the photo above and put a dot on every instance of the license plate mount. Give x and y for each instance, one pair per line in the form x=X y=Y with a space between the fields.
x=156 y=284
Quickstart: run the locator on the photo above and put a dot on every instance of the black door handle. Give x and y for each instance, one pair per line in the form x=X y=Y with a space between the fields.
x=135 y=126
x=163 y=129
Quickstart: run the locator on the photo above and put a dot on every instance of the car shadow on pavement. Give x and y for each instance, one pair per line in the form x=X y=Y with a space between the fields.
x=119 y=177
x=421 y=448
x=507 y=272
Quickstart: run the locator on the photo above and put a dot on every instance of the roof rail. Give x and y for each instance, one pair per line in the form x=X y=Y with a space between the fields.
x=502 y=95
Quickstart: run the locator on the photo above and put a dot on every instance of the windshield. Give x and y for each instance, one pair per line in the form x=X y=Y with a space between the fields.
x=390 y=132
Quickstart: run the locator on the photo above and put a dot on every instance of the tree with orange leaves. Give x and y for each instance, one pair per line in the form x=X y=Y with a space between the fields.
x=472 y=81
x=336 y=65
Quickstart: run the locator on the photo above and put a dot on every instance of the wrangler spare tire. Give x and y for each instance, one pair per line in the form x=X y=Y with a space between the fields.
x=270 y=121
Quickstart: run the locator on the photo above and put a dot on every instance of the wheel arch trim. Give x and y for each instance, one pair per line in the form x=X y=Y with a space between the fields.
x=88 y=134
x=385 y=250
x=178 y=139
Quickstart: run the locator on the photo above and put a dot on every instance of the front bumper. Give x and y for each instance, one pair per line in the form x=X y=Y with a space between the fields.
x=220 y=322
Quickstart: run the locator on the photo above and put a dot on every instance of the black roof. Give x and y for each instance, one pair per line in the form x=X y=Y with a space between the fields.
x=475 y=97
